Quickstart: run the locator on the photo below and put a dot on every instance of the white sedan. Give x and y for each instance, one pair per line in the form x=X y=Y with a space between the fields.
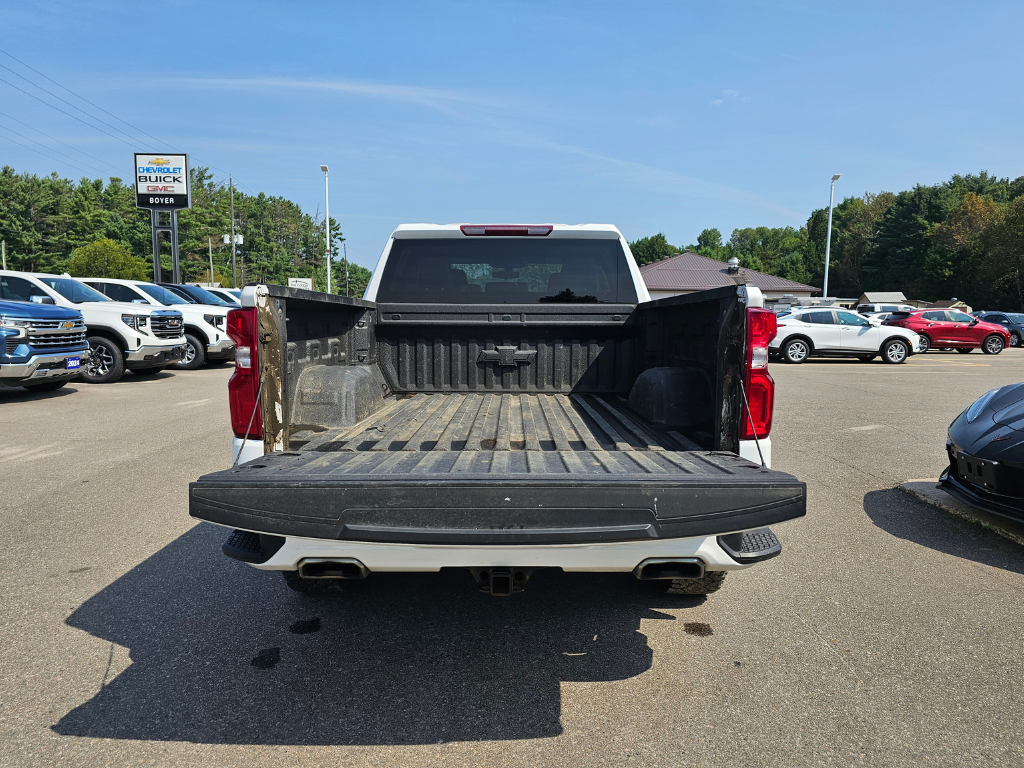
x=831 y=332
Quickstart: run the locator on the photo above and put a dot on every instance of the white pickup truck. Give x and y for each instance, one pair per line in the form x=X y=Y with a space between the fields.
x=505 y=398
x=122 y=336
x=206 y=338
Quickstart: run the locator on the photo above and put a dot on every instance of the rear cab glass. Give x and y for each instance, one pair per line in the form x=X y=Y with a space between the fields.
x=513 y=270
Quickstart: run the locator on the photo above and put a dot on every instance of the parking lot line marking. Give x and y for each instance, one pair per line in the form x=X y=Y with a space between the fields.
x=867 y=428
x=193 y=402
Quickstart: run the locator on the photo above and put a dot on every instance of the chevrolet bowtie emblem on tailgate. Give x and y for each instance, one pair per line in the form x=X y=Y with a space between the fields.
x=506 y=356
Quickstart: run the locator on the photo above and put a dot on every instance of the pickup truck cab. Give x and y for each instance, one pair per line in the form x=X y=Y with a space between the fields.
x=121 y=335
x=43 y=346
x=206 y=338
x=506 y=398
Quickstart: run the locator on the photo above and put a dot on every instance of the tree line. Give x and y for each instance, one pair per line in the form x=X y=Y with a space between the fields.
x=962 y=238
x=51 y=224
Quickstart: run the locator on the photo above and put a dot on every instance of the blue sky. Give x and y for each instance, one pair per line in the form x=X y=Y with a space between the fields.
x=654 y=116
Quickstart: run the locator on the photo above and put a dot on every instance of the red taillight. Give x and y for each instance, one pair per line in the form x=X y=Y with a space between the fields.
x=762 y=326
x=244 y=384
x=507 y=230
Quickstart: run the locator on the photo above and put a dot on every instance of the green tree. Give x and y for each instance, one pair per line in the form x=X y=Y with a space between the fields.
x=647 y=250
x=1003 y=267
x=106 y=258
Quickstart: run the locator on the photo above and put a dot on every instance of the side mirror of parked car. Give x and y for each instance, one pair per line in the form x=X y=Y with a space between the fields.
x=975 y=321
x=37 y=299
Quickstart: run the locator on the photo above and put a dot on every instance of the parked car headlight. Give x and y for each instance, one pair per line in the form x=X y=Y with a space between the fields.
x=135 y=321
x=979 y=405
x=16 y=324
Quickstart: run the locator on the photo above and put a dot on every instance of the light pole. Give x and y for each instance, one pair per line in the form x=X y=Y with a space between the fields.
x=327 y=214
x=828 y=236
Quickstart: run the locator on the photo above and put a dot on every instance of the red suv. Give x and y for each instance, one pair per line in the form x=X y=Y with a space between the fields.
x=944 y=328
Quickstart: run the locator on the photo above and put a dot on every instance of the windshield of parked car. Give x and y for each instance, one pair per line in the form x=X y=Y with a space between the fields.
x=203 y=296
x=1016 y=317
x=507 y=270
x=161 y=294
x=72 y=290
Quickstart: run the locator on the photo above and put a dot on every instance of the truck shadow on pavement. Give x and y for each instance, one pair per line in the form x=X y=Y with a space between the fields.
x=222 y=653
x=908 y=518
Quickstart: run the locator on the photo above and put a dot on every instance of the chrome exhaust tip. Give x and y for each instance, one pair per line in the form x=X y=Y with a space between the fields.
x=332 y=568
x=670 y=568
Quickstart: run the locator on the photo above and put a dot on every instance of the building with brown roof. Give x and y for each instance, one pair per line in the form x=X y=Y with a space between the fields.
x=690 y=272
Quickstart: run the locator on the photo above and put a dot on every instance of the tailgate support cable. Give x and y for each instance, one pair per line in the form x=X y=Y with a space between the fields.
x=750 y=418
x=256 y=408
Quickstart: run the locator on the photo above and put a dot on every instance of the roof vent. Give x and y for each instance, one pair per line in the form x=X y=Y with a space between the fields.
x=734 y=265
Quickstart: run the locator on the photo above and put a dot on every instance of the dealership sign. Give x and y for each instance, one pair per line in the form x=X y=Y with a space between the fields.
x=161 y=181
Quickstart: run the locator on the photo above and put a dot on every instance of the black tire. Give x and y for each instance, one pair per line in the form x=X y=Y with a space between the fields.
x=865 y=358
x=106 y=364
x=993 y=345
x=965 y=350
x=710 y=582
x=895 y=351
x=1015 y=339
x=314 y=587
x=48 y=386
x=925 y=343
x=195 y=354
x=796 y=351
x=145 y=373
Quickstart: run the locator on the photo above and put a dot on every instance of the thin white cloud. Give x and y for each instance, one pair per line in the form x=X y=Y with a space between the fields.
x=435 y=98
x=716 y=102
x=730 y=93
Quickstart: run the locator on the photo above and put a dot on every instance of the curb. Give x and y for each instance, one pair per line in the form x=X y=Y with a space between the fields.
x=930 y=492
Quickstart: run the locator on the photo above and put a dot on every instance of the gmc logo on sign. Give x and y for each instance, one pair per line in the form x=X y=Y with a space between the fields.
x=156 y=188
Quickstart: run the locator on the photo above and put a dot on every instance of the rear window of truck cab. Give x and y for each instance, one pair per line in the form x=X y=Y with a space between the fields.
x=513 y=270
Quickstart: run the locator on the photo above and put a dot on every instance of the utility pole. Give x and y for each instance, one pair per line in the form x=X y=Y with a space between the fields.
x=327 y=226
x=209 y=243
x=234 y=274
x=828 y=236
x=345 y=246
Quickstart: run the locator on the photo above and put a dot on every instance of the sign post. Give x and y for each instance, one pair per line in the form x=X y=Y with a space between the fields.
x=161 y=186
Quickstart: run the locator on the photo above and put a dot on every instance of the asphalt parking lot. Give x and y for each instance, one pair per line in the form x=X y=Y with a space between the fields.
x=888 y=633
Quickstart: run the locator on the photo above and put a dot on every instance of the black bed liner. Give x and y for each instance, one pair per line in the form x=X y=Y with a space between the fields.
x=498 y=469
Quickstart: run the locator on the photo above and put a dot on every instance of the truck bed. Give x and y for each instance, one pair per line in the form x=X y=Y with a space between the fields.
x=505 y=433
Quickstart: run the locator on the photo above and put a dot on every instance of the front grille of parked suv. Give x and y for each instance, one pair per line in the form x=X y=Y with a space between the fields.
x=51 y=333
x=167 y=325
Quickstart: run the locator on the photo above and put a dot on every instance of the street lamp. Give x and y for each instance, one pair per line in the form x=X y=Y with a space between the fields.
x=828 y=237
x=327 y=213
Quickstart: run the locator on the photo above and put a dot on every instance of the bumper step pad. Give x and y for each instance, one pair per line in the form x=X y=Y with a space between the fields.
x=251 y=547
x=751 y=546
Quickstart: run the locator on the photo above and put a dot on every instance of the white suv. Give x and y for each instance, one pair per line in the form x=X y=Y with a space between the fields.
x=206 y=337
x=829 y=332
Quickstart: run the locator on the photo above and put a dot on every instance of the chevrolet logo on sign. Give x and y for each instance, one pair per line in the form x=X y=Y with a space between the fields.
x=68 y=325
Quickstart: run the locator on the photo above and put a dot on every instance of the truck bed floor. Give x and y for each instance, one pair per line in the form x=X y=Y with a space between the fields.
x=508 y=433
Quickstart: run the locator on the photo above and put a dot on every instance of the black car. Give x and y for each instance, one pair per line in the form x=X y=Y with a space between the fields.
x=196 y=295
x=985 y=444
x=1012 y=321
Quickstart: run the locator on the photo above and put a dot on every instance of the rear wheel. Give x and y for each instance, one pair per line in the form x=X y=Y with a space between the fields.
x=795 y=351
x=48 y=386
x=992 y=345
x=925 y=343
x=106 y=364
x=710 y=582
x=195 y=354
x=895 y=351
